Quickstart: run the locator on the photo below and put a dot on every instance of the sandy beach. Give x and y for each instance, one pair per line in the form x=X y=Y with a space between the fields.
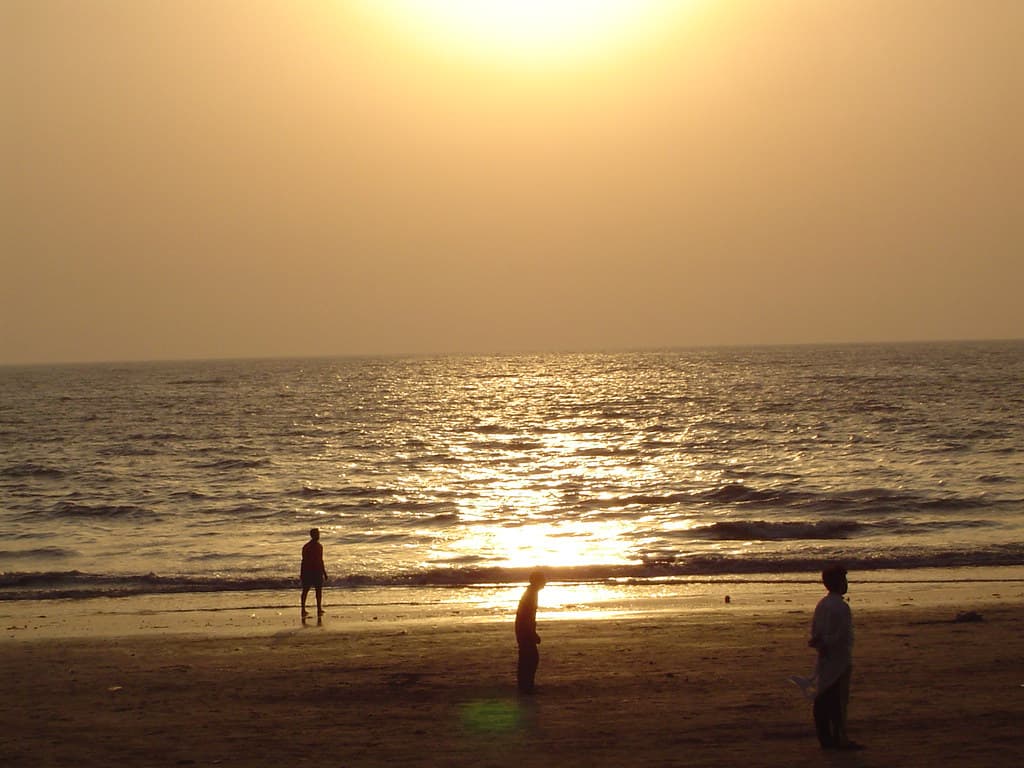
x=693 y=688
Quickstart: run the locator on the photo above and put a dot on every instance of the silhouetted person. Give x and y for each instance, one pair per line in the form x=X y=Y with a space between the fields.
x=832 y=637
x=312 y=572
x=526 y=633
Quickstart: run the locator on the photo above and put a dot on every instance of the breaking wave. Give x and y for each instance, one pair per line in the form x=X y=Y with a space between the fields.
x=653 y=569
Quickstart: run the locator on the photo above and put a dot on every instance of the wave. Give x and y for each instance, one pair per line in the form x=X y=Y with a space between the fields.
x=606 y=451
x=40 y=553
x=442 y=519
x=735 y=493
x=653 y=568
x=157 y=436
x=375 y=501
x=995 y=479
x=865 y=501
x=763 y=530
x=431 y=459
x=640 y=499
x=493 y=429
x=520 y=445
x=128 y=450
x=353 y=491
x=873 y=500
x=73 y=510
x=760 y=530
x=235 y=464
x=187 y=495
x=29 y=469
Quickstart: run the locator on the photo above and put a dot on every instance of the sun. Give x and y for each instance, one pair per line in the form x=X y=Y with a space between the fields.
x=527 y=31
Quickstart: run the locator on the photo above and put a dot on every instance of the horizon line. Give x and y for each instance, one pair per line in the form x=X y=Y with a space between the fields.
x=505 y=353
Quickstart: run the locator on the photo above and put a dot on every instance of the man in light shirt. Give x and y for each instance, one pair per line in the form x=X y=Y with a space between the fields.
x=832 y=637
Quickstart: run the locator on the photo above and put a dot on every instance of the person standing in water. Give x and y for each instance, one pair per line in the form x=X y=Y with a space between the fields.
x=313 y=573
x=526 y=633
x=832 y=638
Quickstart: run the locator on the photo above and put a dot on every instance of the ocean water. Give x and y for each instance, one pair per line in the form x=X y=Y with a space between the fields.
x=619 y=467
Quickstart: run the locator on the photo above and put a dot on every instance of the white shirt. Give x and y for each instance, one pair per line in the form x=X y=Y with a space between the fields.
x=833 y=627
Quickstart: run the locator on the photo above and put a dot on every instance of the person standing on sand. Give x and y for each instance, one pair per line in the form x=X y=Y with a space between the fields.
x=526 y=633
x=832 y=637
x=313 y=573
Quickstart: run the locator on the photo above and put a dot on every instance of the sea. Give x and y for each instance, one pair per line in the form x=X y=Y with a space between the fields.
x=460 y=471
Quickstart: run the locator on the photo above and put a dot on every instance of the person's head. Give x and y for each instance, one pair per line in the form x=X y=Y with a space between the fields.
x=834 y=578
x=538 y=579
x=314 y=534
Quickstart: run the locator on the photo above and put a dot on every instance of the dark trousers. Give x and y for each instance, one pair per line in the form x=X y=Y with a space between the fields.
x=529 y=658
x=830 y=712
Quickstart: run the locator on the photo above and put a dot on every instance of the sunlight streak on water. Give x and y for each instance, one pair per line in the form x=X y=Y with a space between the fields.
x=566 y=544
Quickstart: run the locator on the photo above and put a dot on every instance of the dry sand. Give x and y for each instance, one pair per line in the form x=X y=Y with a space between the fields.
x=705 y=688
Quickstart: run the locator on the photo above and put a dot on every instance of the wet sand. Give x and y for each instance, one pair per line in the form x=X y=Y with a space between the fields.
x=701 y=688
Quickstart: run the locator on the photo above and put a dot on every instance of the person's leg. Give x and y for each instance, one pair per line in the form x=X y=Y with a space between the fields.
x=842 y=702
x=529 y=659
x=826 y=710
x=319 y=601
x=305 y=593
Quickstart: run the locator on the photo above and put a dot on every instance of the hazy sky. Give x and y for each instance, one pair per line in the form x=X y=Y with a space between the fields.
x=234 y=178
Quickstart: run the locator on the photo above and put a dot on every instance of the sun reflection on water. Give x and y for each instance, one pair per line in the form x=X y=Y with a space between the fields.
x=569 y=544
x=558 y=601
x=582 y=513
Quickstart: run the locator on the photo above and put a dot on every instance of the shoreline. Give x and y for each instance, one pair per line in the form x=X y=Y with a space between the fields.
x=267 y=612
x=697 y=688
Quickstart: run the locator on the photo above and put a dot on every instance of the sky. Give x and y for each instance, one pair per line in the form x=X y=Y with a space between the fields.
x=254 y=178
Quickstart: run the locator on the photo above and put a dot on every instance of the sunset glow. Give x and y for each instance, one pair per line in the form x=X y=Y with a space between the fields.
x=527 y=31
x=378 y=177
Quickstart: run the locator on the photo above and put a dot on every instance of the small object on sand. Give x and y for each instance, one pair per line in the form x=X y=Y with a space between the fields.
x=728 y=599
x=968 y=616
